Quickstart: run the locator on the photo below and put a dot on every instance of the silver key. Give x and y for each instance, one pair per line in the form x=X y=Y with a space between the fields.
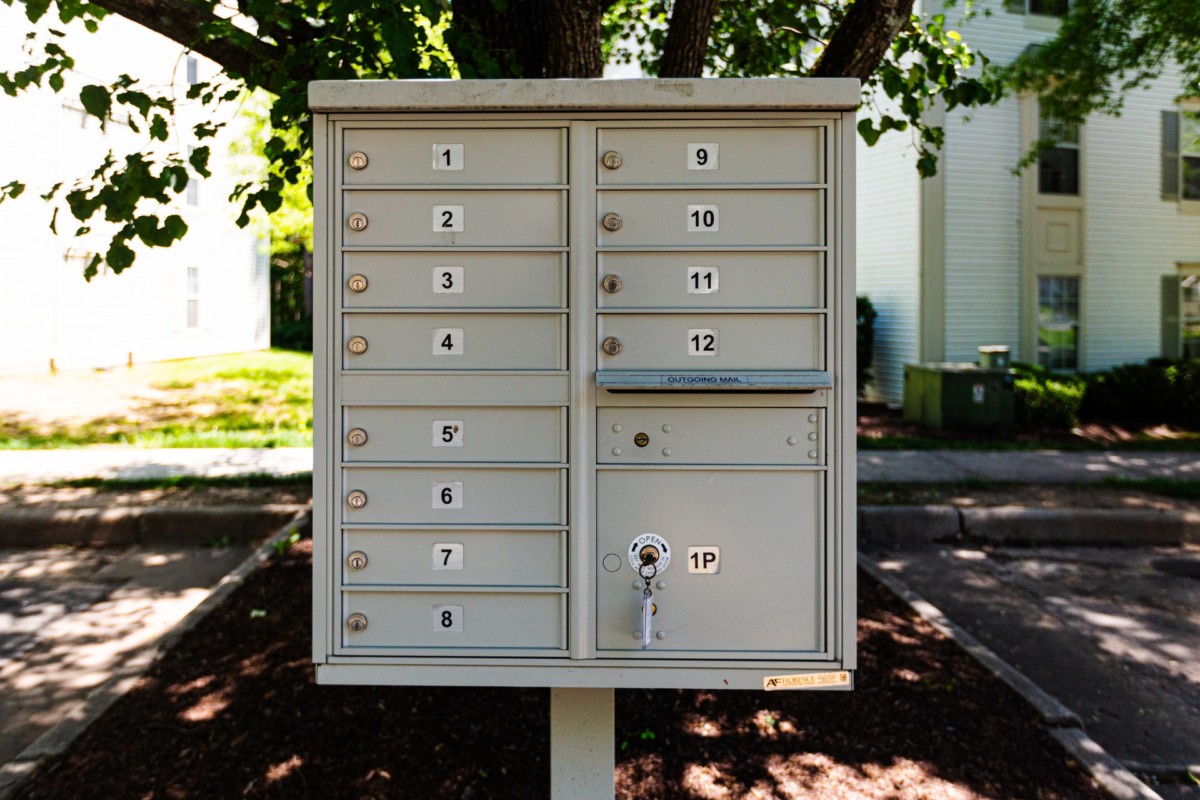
x=647 y=614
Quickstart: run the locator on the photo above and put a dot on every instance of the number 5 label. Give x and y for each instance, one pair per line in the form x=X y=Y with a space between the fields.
x=448 y=433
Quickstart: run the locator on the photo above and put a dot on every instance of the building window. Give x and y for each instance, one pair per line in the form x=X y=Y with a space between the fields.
x=192 y=71
x=1058 y=164
x=1189 y=315
x=193 y=297
x=1058 y=323
x=1039 y=8
x=1189 y=154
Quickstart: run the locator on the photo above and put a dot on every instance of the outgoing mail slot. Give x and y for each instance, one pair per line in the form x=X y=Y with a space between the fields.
x=711 y=155
x=456 y=558
x=711 y=280
x=708 y=217
x=768 y=436
x=708 y=342
x=455 y=341
x=439 y=620
x=454 y=280
x=456 y=156
x=769 y=594
x=449 y=218
x=454 y=495
x=454 y=433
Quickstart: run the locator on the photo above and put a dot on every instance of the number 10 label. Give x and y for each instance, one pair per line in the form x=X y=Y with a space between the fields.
x=705 y=219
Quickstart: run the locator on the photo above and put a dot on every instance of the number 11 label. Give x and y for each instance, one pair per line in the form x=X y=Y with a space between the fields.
x=703 y=280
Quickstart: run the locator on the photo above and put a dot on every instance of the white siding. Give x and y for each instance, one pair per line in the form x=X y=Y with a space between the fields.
x=889 y=255
x=1132 y=236
x=47 y=310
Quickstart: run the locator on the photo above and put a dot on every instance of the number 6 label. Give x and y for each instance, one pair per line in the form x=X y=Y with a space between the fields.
x=448 y=495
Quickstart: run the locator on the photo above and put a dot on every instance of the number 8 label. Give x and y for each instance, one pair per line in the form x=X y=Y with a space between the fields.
x=447 y=619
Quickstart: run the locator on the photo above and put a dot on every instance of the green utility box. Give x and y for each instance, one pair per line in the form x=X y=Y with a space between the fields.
x=958 y=396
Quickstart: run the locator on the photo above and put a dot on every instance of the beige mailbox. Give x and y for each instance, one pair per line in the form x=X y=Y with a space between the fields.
x=585 y=383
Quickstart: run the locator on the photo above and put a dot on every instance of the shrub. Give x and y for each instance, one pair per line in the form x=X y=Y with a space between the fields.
x=1046 y=400
x=293 y=335
x=866 y=341
x=1159 y=391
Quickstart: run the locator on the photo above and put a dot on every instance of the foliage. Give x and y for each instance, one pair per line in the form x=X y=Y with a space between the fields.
x=295 y=334
x=1161 y=391
x=1044 y=399
x=865 y=330
x=275 y=49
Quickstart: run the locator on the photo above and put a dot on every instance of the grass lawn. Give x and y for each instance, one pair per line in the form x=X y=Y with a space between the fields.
x=261 y=399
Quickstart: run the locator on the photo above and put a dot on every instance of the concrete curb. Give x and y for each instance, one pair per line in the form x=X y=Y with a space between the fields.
x=1065 y=726
x=906 y=525
x=56 y=740
x=108 y=527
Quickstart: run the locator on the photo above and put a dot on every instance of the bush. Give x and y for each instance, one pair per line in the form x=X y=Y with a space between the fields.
x=1157 y=392
x=1046 y=400
x=297 y=335
x=866 y=342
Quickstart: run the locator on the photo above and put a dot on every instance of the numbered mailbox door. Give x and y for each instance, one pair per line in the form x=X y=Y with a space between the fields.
x=759 y=592
x=454 y=495
x=457 y=557
x=441 y=156
x=454 y=341
x=778 y=280
x=783 y=155
x=455 y=433
x=445 y=620
x=448 y=218
x=460 y=280
x=711 y=217
x=705 y=342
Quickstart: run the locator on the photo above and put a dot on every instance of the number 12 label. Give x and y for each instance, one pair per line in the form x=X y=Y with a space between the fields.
x=703 y=341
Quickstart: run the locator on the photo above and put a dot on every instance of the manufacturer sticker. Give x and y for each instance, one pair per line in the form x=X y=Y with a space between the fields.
x=810 y=680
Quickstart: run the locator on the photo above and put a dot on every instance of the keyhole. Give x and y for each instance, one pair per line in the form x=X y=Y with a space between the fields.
x=648 y=555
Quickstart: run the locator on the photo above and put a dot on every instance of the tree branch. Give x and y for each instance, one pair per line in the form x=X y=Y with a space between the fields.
x=862 y=40
x=182 y=22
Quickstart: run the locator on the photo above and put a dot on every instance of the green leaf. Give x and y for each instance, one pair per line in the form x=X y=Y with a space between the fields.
x=869 y=133
x=158 y=128
x=119 y=256
x=199 y=161
x=96 y=101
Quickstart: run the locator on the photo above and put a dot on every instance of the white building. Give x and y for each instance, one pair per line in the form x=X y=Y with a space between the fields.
x=207 y=294
x=1089 y=259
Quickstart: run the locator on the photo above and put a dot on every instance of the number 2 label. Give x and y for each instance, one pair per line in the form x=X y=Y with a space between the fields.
x=449 y=219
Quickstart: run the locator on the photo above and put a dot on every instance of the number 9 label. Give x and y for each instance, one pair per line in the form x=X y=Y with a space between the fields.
x=702 y=155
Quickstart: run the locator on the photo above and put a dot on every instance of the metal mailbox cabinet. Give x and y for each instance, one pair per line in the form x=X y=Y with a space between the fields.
x=585 y=383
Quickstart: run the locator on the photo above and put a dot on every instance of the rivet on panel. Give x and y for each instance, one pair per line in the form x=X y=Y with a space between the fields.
x=666 y=451
x=617 y=428
x=812 y=437
x=812 y=454
x=792 y=440
x=812 y=417
x=660 y=635
x=660 y=585
x=616 y=451
x=639 y=584
x=666 y=429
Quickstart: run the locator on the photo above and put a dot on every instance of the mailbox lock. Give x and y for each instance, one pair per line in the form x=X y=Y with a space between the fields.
x=612 y=160
x=357 y=622
x=358 y=160
x=357 y=498
x=611 y=346
x=357 y=560
x=357 y=283
x=357 y=345
x=641 y=440
x=611 y=222
x=357 y=437
x=611 y=284
x=357 y=221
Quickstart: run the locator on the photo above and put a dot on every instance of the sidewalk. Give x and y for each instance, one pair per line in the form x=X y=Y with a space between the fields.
x=903 y=466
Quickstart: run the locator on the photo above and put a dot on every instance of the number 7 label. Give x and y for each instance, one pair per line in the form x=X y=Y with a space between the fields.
x=447 y=556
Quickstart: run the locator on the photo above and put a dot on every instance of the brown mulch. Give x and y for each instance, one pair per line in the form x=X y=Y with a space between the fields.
x=233 y=711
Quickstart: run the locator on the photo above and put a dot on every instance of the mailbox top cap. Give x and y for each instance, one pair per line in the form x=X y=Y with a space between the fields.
x=689 y=94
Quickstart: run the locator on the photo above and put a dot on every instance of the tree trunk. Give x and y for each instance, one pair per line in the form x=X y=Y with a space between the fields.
x=863 y=39
x=528 y=38
x=687 y=39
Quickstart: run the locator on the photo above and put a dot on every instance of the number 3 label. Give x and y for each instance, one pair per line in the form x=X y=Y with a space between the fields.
x=447 y=619
x=448 y=280
x=448 y=495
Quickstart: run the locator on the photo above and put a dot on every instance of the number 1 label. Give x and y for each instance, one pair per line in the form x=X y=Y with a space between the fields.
x=448 y=157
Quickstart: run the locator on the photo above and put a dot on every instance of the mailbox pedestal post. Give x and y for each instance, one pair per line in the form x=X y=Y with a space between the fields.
x=584 y=395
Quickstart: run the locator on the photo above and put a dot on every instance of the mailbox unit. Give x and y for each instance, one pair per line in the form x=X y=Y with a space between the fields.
x=571 y=335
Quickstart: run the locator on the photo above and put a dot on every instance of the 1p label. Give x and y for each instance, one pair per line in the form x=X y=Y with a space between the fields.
x=704 y=560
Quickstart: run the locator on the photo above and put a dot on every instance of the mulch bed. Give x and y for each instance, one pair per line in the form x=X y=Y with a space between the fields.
x=233 y=711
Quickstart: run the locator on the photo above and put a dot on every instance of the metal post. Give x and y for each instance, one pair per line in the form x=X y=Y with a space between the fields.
x=582 y=759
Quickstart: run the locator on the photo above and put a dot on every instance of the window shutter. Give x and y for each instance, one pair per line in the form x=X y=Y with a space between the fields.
x=1014 y=6
x=1170 y=317
x=1170 y=155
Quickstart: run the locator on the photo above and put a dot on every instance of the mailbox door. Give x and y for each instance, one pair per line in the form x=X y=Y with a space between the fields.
x=455 y=341
x=462 y=280
x=713 y=341
x=711 y=280
x=455 y=433
x=450 y=156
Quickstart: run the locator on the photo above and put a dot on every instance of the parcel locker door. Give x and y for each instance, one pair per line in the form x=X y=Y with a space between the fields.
x=765 y=594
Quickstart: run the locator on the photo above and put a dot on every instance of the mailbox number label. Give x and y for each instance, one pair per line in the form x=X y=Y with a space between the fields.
x=448 y=157
x=703 y=280
x=448 y=495
x=447 y=556
x=448 y=280
x=702 y=155
x=448 y=433
x=703 y=218
x=447 y=341
x=703 y=341
x=704 y=560
x=450 y=219
x=447 y=619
